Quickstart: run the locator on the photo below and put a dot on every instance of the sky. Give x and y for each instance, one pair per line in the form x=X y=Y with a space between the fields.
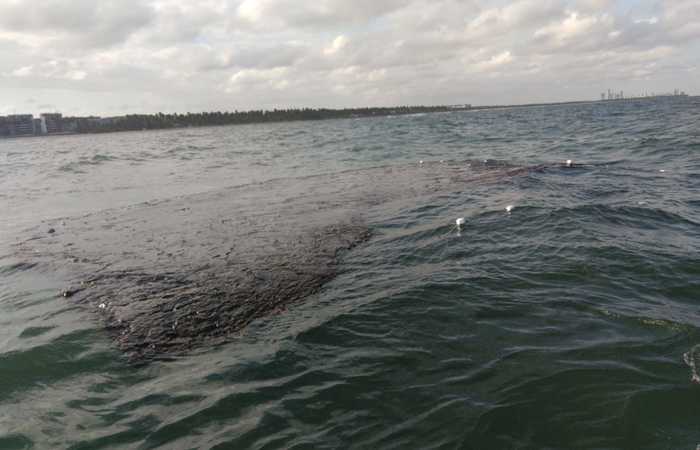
x=112 y=57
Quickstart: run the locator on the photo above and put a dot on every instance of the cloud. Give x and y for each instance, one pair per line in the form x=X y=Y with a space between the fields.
x=318 y=13
x=495 y=61
x=266 y=78
x=519 y=14
x=174 y=55
x=682 y=19
x=23 y=71
x=576 y=29
x=175 y=22
x=54 y=69
x=338 y=44
x=83 y=23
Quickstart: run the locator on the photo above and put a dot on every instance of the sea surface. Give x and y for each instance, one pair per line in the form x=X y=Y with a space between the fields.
x=570 y=322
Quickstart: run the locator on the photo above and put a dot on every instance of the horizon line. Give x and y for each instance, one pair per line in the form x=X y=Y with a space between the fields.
x=454 y=105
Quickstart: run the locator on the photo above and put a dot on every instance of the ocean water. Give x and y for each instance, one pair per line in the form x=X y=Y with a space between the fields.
x=570 y=322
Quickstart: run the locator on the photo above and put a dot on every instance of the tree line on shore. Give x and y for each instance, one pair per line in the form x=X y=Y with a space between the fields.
x=164 y=121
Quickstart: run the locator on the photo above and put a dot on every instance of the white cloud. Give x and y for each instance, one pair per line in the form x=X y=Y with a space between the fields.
x=338 y=44
x=650 y=20
x=268 y=78
x=252 y=10
x=76 y=23
x=23 y=71
x=317 y=13
x=495 y=61
x=174 y=55
x=682 y=18
x=573 y=26
x=519 y=13
x=54 y=69
x=76 y=75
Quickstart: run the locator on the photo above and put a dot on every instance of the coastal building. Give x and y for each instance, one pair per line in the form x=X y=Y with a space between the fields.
x=70 y=124
x=620 y=95
x=20 y=125
x=51 y=123
x=17 y=125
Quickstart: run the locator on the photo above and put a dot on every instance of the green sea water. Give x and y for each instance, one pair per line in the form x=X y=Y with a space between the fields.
x=560 y=325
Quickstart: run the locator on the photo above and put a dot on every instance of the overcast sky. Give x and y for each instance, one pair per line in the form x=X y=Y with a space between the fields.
x=111 y=57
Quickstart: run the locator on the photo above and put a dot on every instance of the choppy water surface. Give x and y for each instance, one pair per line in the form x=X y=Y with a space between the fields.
x=570 y=322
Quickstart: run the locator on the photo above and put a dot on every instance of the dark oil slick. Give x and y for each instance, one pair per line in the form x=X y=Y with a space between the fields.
x=194 y=271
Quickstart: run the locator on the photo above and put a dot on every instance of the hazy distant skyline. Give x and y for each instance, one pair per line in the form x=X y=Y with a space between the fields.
x=116 y=57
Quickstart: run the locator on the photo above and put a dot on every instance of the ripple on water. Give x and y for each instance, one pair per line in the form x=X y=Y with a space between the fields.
x=560 y=325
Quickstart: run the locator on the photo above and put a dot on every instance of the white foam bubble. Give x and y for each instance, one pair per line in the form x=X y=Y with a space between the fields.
x=692 y=358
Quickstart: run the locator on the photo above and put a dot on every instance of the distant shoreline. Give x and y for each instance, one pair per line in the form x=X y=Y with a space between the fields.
x=580 y=102
x=24 y=125
x=159 y=121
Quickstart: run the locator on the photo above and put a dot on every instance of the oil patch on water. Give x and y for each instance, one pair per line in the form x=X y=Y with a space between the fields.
x=173 y=275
